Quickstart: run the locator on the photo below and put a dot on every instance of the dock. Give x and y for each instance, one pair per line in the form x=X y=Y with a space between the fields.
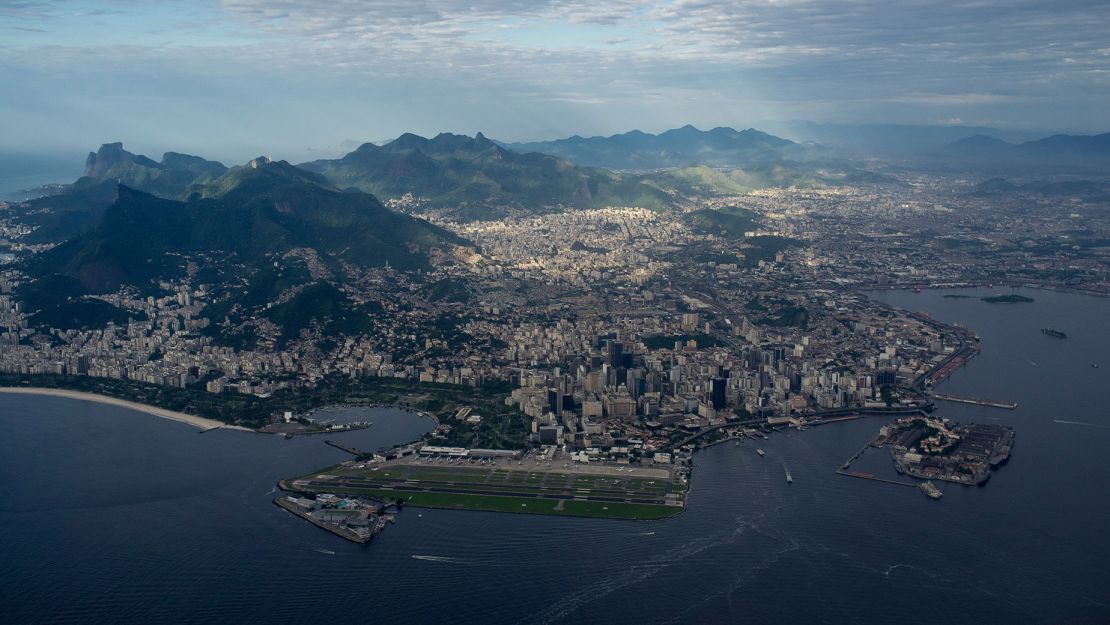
x=845 y=470
x=868 y=476
x=976 y=402
x=342 y=532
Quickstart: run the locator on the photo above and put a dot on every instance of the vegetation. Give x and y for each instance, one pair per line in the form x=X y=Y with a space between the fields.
x=480 y=178
x=1012 y=298
x=764 y=248
x=253 y=411
x=730 y=221
x=523 y=505
x=253 y=213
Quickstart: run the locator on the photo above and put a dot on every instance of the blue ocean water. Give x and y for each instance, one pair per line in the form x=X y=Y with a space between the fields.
x=107 y=515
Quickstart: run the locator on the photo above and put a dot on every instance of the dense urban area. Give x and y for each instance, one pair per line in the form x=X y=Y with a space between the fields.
x=611 y=333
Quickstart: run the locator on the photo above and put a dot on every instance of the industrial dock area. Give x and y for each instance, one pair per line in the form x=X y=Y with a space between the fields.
x=356 y=519
x=936 y=449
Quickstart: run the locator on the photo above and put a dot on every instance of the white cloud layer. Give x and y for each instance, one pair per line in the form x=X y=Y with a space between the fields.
x=541 y=68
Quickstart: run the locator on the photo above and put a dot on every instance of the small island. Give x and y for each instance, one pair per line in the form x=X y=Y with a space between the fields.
x=1012 y=298
x=936 y=449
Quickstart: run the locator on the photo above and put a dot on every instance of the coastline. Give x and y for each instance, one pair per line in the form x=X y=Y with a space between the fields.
x=193 y=420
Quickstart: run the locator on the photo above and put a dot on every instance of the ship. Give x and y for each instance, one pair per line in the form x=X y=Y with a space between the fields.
x=1053 y=333
x=760 y=452
x=789 y=478
x=930 y=490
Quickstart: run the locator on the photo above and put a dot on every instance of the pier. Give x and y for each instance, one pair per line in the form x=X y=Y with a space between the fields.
x=844 y=470
x=351 y=450
x=974 y=401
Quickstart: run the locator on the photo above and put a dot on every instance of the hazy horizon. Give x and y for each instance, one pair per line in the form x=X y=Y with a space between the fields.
x=226 y=79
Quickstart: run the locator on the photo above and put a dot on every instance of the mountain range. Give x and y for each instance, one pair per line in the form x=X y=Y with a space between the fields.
x=479 y=178
x=245 y=216
x=681 y=147
x=172 y=177
x=1059 y=150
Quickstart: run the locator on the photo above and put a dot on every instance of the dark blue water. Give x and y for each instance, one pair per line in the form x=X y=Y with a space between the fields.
x=107 y=515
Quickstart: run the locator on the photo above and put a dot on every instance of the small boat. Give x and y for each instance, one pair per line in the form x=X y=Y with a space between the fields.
x=760 y=452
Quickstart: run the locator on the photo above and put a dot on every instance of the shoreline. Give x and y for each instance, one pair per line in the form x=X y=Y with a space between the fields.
x=201 y=423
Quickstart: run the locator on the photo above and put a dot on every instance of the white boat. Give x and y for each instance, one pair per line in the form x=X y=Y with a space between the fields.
x=760 y=452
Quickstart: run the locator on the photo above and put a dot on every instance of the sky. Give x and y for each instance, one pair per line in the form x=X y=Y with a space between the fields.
x=233 y=78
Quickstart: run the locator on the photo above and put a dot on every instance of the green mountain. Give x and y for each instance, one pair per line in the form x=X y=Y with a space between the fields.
x=480 y=178
x=76 y=209
x=730 y=221
x=70 y=210
x=170 y=178
x=703 y=180
x=242 y=218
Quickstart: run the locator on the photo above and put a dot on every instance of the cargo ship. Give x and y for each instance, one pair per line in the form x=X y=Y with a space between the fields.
x=932 y=491
x=1053 y=333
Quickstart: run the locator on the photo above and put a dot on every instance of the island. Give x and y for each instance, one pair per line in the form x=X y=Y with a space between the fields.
x=937 y=449
x=1012 y=298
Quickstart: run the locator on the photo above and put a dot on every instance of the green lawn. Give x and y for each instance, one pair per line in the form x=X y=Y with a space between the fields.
x=526 y=505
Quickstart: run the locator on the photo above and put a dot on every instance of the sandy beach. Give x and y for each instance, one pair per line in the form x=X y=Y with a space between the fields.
x=199 y=422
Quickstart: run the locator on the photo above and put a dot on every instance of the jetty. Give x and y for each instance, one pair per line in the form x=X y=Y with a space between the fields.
x=351 y=450
x=845 y=469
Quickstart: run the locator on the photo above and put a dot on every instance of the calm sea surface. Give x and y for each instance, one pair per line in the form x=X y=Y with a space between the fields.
x=108 y=515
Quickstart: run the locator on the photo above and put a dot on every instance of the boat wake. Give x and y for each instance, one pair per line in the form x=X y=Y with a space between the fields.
x=1089 y=425
x=436 y=559
x=324 y=551
x=640 y=572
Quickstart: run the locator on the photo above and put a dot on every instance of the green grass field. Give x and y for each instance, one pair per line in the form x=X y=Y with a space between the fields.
x=528 y=491
x=524 y=505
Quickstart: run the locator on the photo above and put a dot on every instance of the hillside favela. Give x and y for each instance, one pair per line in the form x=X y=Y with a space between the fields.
x=553 y=313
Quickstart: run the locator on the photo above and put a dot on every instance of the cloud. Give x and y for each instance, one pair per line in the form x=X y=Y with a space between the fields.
x=520 y=67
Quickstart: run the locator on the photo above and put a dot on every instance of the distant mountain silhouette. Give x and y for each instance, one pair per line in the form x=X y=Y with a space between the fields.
x=1057 y=150
x=680 y=147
